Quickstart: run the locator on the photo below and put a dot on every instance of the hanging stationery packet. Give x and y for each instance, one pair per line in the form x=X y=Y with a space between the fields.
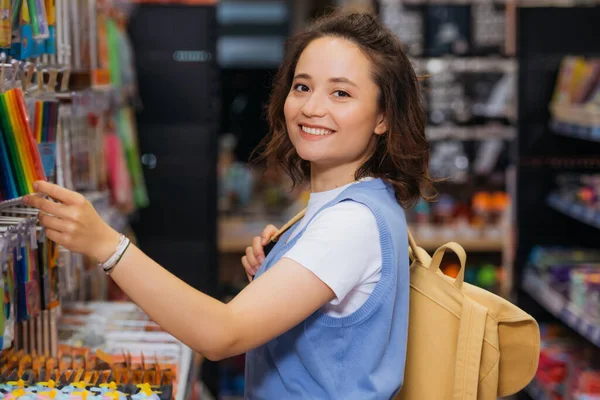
x=15 y=152
x=43 y=268
x=29 y=288
x=50 y=43
x=20 y=156
x=25 y=125
x=5 y=23
x=38 y=19
x=125 y=123
x=53 y=272
x=2 y=315
x=8 y=279
x=22 y=141
x=119 y=177
x=101 y=72
x=48 y=155
x=45 y=128
x=16 y=6
x=9 y=186
x=23 y=44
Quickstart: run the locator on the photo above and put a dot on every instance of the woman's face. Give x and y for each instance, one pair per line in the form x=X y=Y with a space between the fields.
x=331 y=111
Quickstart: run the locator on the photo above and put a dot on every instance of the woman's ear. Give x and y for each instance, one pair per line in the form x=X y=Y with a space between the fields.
x=381 y=126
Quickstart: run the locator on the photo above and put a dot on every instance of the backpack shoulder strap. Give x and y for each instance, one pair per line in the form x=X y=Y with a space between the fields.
x=469 y=346
x=287 y=225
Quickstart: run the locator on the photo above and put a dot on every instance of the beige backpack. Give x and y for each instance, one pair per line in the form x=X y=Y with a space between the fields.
x=464 y=343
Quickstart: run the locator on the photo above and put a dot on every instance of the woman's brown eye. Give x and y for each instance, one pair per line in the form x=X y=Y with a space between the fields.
x=301 y=88
x=341 y=93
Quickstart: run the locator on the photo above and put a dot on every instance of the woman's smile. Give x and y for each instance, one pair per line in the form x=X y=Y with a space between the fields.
x=313 y=132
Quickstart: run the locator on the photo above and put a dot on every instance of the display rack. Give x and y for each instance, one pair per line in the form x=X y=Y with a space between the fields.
x=79 y=89
x=574 y=209
x=556 y=150
x=469 y=90
x=561 y=308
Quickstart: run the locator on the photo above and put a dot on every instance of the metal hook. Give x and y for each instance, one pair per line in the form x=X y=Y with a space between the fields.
x=40 y=77
x=16 y=67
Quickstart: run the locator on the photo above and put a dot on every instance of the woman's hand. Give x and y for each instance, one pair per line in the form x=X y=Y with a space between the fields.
x=73 y=222
x=255 y=254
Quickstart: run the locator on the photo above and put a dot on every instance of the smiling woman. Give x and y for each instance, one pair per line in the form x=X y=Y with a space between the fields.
x=326 y=314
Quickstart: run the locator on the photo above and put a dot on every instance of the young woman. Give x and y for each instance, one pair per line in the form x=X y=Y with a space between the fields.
x=326 y=315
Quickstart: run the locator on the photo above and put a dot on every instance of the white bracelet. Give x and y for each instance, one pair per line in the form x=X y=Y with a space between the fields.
x=108 y=265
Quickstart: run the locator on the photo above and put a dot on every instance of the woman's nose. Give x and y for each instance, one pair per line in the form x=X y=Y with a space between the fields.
x=315 y=106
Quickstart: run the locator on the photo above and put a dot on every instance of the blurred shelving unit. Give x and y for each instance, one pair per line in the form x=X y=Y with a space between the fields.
x=235 y=234
x=469 y=81
x=556 y=222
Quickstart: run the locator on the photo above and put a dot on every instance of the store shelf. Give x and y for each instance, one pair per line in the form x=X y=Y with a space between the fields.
x=585 y=132
x=560 y=307
x=574 y=210
x=235 y=234
x=483 y=132
x=466 y=64
x=576 y=121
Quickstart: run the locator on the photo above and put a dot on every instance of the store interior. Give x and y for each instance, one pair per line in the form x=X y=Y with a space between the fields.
x=152 y=109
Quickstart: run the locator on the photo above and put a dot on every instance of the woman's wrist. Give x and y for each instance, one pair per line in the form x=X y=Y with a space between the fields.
x=107 y=246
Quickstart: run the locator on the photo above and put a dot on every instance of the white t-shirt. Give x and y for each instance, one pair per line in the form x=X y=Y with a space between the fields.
x=341 y=247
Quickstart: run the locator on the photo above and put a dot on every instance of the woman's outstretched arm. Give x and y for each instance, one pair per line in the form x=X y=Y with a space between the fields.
x=280 y=299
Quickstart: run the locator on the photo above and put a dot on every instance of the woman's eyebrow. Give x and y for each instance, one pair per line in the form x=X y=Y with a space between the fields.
x=334 y=80
x=343 y=80
x=302 y=76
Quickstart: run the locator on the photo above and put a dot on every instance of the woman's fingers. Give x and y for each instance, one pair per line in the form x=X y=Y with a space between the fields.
x=57 y=237
x=268 y=233
x=258 y=250
x=55 y=223
x=46 y=206
x=247 y=267
x=59 y=193
x=251 y=258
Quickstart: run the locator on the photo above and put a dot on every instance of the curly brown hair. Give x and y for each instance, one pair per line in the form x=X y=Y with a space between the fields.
x=401 y=155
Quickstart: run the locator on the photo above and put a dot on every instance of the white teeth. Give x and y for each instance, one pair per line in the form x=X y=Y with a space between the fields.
x=315 y=131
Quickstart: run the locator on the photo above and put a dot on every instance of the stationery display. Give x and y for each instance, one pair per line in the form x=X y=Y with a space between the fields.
x=575 y=104
x=84 y=139
x=80 y=372
x=123 y=331
x=20 y=158
x=29 y=284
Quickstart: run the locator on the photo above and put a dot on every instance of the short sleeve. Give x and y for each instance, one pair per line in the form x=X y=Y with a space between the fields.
x=340 y=246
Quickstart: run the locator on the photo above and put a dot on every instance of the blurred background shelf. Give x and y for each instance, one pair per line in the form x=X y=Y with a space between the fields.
x=577 y=131
x=236 y=233
x=561 y=308
x=573 y=209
